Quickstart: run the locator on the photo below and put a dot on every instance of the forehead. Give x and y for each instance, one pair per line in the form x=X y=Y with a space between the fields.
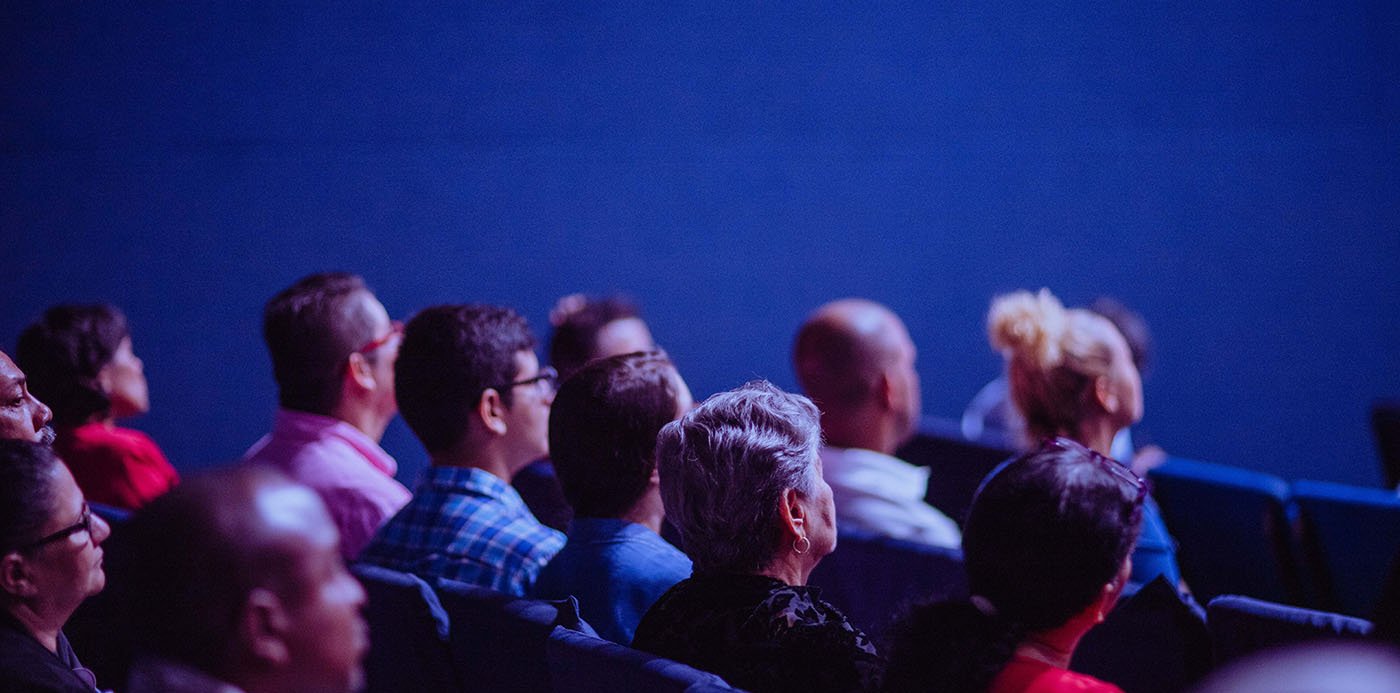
x=9 y=372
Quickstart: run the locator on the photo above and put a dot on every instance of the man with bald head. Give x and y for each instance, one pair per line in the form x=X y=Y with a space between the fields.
x=855 y=359
x=236 y=584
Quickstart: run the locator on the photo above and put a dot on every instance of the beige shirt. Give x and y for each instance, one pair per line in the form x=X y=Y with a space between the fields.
x=881 y=494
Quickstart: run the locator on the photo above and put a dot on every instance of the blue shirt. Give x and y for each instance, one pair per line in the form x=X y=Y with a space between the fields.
x=466 y=524
x=617 y=569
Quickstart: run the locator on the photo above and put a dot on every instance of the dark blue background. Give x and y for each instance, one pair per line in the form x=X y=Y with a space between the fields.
x=1230 y=170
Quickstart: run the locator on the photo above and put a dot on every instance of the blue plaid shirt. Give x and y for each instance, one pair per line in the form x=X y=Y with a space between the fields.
x=466 y=524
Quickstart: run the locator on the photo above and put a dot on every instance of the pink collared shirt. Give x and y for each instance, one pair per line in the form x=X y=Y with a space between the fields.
x=353 y=475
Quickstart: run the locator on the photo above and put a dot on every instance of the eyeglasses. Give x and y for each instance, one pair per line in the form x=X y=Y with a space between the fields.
x=1113 y=466
x=395 y=329
x=547 y=378
x=84 y=524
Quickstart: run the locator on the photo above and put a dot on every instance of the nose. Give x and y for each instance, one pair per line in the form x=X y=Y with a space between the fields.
x=100 y=530
x=42 y=414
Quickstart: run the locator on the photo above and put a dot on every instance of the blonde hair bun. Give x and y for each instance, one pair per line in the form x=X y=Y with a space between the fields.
x=1028 y=326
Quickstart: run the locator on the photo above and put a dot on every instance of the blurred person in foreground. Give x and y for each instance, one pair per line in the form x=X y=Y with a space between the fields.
x=236 y=584
x=1047 y=549
x=602 y=438
x=50 y=561
x=80 y=361
x=741 y=480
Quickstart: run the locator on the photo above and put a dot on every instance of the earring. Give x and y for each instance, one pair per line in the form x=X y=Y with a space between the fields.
x=804 y=543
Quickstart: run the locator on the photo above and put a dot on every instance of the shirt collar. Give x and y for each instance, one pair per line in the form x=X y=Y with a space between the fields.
x=305 y=425
x=474 y=481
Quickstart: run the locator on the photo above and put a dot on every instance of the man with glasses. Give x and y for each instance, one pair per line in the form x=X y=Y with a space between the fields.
x=471 y=388
x=333 y=348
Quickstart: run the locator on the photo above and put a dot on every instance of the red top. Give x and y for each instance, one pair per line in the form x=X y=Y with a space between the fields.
x=1023 y=675
x=115 y=466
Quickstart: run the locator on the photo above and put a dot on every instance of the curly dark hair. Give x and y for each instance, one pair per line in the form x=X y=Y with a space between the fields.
x=62 y=354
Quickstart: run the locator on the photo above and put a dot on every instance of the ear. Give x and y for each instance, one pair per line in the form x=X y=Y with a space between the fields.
x=885 y=390
x=655 y=479
x=262 y=626
x=1106 y=394
x=492 y=411
x=1108 y=597
x=794 y=515
x=359 y=372
x=15 y=578
x=103 y=381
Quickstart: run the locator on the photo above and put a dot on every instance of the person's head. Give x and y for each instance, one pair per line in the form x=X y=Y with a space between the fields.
x=603 y=426
x=238 y=573
x=1046 y=546
x=332 y=346
x=1131 y=325
x=854 y=357
x=742 y=483
x=79 y=360
x=467 y=377
x=22 y=415
x=50 y=543
x=589 y=328
x=1066 y=367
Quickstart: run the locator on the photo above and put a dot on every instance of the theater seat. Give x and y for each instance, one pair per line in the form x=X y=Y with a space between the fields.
x=956 y=465
x=498 y=640
x=1242 y=625
x=1349 y=535
x=408 y=634
x=871 y=578
x=1153 y=641
x=581 y=663
x=1385 y=424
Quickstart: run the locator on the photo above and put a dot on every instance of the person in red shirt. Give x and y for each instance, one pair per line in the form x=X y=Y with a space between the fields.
x=1047 y=547
x=80 y=361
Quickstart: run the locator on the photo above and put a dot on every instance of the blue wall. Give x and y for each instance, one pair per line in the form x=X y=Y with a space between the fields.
x=1231 y=171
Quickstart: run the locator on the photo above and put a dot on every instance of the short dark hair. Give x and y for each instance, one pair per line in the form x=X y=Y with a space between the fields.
x=603 y=426
x=62 y=353
x=449 y=356
x=1045 y=533
x=311 y=328
x=574 y=341
x=26 y=491
x=193 y=556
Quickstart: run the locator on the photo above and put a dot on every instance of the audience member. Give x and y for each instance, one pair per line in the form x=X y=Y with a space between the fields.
x=51 y=562
x=1047 y=548
x=855 y=359
x=741 y=480
x=602 y=436
x=79 y=360
x=1072 y=375
x=472 y=390
x=333 y=348
x=237 y=584
x=22 y=415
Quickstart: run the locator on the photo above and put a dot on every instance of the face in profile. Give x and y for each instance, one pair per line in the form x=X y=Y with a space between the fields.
x=68 y=564
x=22 y=416
x=624 y=336
x=382 y=352
x=1123 y=377
x=124 y=381
x=905 y=378
x=527 y=417
x=821 y=514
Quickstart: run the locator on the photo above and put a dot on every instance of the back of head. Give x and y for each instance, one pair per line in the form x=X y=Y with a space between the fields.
x=724 y=466
x=27 y=493
x=311 y=328
x=62 y=354
x=603 y=426
x=840 y=350
x=577 y=322
x=1131 y=325
x=449 y=356
x=1053 y=356
x=1046 y=532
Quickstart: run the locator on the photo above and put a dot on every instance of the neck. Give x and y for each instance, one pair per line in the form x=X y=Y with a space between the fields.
x=486 y=458
x=788 y=568
x=1097 y=435
x=42 y=626
x=1056 y=645
x=648 y=510
x=362 y=417
x=862 y=428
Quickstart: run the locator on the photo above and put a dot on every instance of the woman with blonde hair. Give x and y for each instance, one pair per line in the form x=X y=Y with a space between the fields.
x=1072 y=375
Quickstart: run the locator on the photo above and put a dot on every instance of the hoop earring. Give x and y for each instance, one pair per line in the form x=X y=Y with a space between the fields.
x=804 y=543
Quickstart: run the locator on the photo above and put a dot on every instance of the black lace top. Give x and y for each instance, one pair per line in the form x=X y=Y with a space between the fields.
x=760 y=635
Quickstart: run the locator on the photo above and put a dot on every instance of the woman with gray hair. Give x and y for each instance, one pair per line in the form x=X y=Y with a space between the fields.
x=742 y=483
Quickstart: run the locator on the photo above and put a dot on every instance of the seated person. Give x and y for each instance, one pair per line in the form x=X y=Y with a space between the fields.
x=333 y=347
x=22 y=415
x=79 y=360
x=1072 y=375
x=236 y=584
x=51 y=561
x=471 y=388
x=742 y=482
x=584 y=329
x=602 y=435
x=1047 y=549
x=855 y=359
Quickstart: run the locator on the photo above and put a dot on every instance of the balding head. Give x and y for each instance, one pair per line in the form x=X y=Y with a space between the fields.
x=237 y=573
x=854 y=357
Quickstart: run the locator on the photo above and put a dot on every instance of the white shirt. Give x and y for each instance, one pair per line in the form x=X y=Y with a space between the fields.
x=884 y=495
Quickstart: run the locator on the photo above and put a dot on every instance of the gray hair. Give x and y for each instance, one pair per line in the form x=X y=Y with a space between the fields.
x=724 y=467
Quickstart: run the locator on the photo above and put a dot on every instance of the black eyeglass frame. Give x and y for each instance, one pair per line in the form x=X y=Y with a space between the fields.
x=1113 y=466
x=546 y=374
x=84 y=524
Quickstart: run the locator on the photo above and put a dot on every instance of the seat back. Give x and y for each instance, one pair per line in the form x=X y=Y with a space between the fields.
x=871 y=579
x=498 y=640
x=956 y=465
x=1153 y=641
x=1385 y=423
x=1232 y=529
x=408 y=632
x=1243 y=625
x=581 y=663
x=1349 y=535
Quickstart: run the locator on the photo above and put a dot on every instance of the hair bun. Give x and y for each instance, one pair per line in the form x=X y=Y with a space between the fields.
x=1028 y=326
